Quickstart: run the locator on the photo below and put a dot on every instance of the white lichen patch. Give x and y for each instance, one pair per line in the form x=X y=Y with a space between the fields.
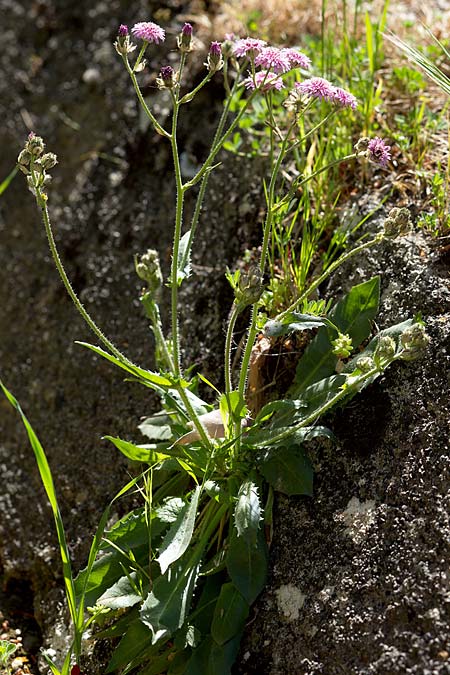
x=290 y=600
x=358 y=517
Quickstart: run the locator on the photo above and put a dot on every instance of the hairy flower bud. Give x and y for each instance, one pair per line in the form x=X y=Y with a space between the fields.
x=385 y=349
x=184 y=40
x=34 y=145
x=24 y=157
x=214 y=61
x=342 y=346
x=48 y=161
x=414 y=341
x=167 y=78
x=398 y=223
x=123 y=43
x=250 y=287
x=149 y=270
x=365 y=364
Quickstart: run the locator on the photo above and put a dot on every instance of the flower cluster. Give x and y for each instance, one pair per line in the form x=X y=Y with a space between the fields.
x=320 y=88
x=264 y=81
x=35 y=163
x=148 y=31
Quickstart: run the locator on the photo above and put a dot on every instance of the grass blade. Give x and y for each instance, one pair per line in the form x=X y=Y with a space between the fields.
x=6 y=182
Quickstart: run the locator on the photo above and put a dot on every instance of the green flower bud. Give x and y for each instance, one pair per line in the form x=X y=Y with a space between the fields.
x=149 y=270
x=365 y=364
x=385 y=348
x=414 y=340
x=342 y=346
x=250 y=287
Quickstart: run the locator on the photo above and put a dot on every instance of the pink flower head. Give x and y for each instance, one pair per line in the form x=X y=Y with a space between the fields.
x=317 y=87
x=344 y=99
x=296 y=59
x=249 y=47
x=378 y=151
x=149 y=31
x=123 y=30
x=215 y=49
x=274 y=59
x=264 y=81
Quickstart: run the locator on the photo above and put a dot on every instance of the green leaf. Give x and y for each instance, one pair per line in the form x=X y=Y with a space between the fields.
x=137 y=453
x=6 y=181
x=288 y=406
x=184 y=258
x=7 y=649
x=170 y=509
x=247 y=565
x=353 y=315
x=179 y=536
x=167 y=606
x=135 y=641
x=141 y=373
x=230 y=614
x=213 y=659
x=156 y=428
x=247 y=514
x=287 y=469
x=203 y=614
x=294 y=321
x=47 y=482
x=122 y=594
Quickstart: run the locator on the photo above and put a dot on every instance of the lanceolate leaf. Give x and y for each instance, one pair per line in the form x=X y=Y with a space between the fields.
x=287 y=469
x=150 y=455
x=247 y=564
x=147 y=375
x=179 y=536
x=247 y=514
x=293 y=322
x=352 y=315
x=230 y=614
x=167 y=606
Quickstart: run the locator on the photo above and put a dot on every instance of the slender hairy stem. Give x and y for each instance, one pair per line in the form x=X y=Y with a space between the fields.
x=235 y=311
x=176 y=240
x=145 y=107
x=65 y=279
x=328 y=271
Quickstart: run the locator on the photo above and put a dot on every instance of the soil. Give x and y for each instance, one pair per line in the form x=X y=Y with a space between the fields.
x=369 y=590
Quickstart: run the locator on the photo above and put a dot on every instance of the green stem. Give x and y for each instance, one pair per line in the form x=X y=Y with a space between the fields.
x=41 y=201
x=145 y=107
x=328 y=271
x=187 y=98
x=265 y=245
x=235 y=311
x=321 y=411
x=180 y=189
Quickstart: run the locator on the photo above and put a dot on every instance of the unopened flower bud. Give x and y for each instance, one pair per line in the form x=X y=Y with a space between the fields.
x=414 y=340
x=214 y=61
x=24 y=157
x=49 y=160
x=123 y=44
x=35 y=145
x=149 y=270
x=184 y=40
x=250 y=287
x=342 y=346
x=365 y=364
x=167 y=78
x=398 y=223
x=385 y=349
